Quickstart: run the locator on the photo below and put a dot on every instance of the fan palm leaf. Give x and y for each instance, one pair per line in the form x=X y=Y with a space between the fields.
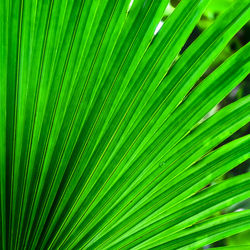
x=103 y=137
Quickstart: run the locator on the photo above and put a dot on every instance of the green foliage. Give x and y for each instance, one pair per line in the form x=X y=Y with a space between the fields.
x=104 y=138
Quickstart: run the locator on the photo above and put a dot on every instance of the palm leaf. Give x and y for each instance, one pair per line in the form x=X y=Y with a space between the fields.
x=103 y=140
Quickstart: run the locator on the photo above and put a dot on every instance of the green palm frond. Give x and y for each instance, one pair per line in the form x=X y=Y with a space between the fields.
x=104 y=140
